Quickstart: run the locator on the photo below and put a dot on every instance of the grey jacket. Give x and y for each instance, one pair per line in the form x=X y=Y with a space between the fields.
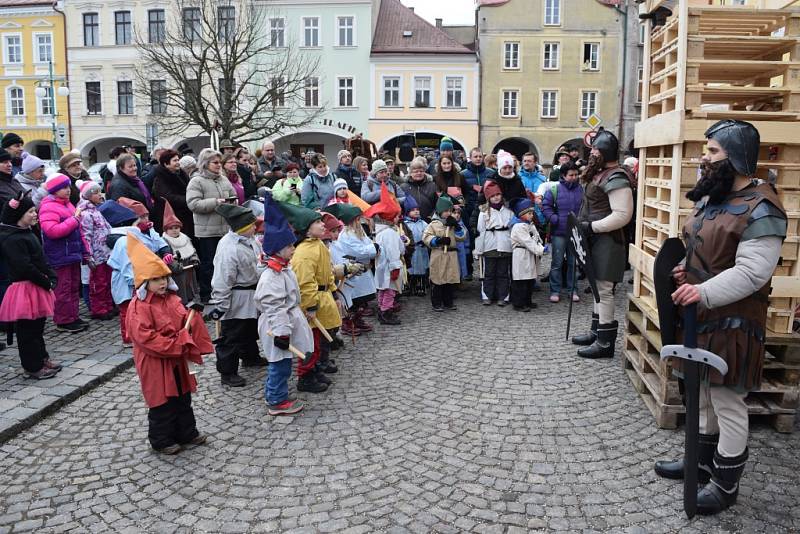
x=201 y=197
x=236 y=274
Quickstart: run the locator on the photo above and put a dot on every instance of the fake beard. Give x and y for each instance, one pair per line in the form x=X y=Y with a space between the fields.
x=595 y=165
x=716 y=181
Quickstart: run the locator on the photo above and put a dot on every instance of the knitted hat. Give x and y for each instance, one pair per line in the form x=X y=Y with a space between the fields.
x=116 y=214
x=521 y=206
x=226 y=143
x=277 y=233
x=56 y=182
x=491 y=189
x=454 y=192
x=137 y=207
x=170 y=219
x=187 y=161
x=31 y=163
x=387 y=208
x=88 y=188
x=15 y=208
x=300 y=218
x=344 y=212
x=341 y=154
x=11 y=139
x=146 y=265
x=503 y=159
x=339 y=183
x=68 y=159
x=378 y=165
x=443 y=204
x=410 y=203
x=4 y=155
x=446 y=144
x=237 y=217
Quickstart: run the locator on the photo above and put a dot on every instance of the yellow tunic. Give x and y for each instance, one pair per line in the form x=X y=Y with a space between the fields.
x=311 y=264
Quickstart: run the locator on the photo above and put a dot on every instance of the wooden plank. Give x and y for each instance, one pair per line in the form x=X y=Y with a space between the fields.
x=786 y=286
x=674 y=128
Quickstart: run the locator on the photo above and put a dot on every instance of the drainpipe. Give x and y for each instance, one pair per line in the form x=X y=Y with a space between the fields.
x=624 y=13
x=66 y=71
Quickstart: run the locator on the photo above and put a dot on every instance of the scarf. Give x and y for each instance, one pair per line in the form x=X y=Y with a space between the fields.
x=233 y=178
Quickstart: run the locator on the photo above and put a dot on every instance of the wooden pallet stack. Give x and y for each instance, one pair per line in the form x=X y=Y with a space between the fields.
x=705 y=64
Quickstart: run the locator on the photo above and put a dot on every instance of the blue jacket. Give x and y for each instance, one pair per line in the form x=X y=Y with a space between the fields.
x=475 y=176
x=569 y=197
x=532 y=180
x=122 y=274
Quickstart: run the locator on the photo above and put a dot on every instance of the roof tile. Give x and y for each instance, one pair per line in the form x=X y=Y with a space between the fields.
x=395 y=19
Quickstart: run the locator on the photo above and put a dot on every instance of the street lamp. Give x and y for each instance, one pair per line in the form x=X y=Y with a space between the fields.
x=41 y=91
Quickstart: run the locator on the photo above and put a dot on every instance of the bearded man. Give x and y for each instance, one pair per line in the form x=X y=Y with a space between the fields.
x=607 y=208
x=733 y=243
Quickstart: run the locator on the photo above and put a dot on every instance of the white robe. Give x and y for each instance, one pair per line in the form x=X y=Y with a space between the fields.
x=277 y=298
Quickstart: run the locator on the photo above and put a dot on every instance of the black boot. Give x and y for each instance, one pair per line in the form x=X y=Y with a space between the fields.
x=327 y=365
x=603 y=346
x=707 y=445
x=388 y=317
x=310 y=384
x=321 y=377
x=588 y=339
x=721 y=492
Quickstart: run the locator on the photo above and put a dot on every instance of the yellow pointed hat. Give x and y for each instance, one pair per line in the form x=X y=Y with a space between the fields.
x=146 y=264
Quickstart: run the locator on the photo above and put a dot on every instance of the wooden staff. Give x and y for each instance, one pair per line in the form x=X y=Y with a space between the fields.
x=315 y=322
x=447 y=235
x=294 y=350
x=189 y=319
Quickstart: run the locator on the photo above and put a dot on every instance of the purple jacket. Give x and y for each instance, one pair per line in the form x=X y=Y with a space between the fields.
x=61 y=233
x=95 y=230
x=568 y=199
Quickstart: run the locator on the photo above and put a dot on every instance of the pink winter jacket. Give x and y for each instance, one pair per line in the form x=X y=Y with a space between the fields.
x=61 y=236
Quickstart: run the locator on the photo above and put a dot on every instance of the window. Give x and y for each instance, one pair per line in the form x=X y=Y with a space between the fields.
x=310 y=31
x=122 y=27
x=588 y=104
x=16 y=102
x=552 y=12
x=591 y=56
x=12 y=49
x=454 y=88
x=511 y=56
x=192 y=95
x=192 y=24
x=345 y=27
x=158 y=97
x=43 y=47
x=642 y=30
x=156 y=25
x=226 y=21
x=550 y=59
x=278 y=97
x=345 y=92
x=46 y=102
x=312 y=92
x=639 y=88
x=125 y=98
x=94 y=101
x=511 y=103
x=391 y=92
x=91 y=29
x=422 y=92
x=277 y=29
x=549 y=104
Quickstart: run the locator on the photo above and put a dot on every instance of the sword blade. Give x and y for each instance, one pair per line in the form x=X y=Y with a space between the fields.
x=691 y=378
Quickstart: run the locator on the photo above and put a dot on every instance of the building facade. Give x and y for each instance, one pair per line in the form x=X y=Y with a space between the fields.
x=33 y=81
x=425 y=85
x=545 y=71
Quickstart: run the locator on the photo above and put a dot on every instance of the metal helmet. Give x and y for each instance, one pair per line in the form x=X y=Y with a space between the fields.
x=607 y=143
x=740 y=140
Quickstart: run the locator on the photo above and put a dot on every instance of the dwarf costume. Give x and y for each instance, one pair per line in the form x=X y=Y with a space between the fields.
x=445 y=271
x=186 y=262
x=162 y=350
x=493 y=246
x=527 y=251
x=420 y=258
x=389 y=261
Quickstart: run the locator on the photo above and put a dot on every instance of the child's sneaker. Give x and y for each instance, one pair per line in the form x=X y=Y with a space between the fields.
x=50 y=364
x=169 y=449
x=554 y=298
x=310 y=384
x=199 y=439
x=73 y=327
x=576 y=297
x=42 y=374
x=287 y=407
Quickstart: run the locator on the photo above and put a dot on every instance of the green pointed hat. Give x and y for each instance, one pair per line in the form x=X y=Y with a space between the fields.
x=237 y=217
x=299 y=218
x=443 y=204
x=344 y=212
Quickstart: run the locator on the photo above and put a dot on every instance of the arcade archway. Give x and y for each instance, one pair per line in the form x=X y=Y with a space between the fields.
x=516 y=146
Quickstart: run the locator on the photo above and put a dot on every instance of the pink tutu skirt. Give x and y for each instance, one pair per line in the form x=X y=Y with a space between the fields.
x=26 y=300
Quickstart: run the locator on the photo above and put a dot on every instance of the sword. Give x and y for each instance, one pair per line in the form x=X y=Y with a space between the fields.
x=574 y=282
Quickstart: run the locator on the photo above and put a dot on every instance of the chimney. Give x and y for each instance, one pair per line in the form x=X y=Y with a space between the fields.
x=438 y=23
x=411 y=8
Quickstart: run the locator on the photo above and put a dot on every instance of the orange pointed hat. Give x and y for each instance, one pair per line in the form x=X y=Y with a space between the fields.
x=170 y=219
x=387 y=208
x=146 y=265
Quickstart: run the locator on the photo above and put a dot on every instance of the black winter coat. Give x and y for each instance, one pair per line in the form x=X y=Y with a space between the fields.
x=171 y=186
x=9 y=188
x=425 y=194
x=511 y=187
x=24 y=258
x=74 y=192
x=122 y=186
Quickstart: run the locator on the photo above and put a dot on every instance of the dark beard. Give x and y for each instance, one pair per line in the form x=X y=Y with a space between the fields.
x=716 y=181
x=595 y=165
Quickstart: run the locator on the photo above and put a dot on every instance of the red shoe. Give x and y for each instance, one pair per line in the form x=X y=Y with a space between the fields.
x=367 y=312
x=287 y=407
x=362 y=325
x=349 y=328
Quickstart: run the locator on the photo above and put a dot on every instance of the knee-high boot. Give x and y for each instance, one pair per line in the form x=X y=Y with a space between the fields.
x=603 y=346
x=721 y=492
x=588 y=339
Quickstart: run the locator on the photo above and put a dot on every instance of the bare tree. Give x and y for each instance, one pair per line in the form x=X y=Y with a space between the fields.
x=215 y=65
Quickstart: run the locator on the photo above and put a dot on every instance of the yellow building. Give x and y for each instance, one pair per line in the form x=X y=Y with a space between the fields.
x=32 y=47
x=547 y=66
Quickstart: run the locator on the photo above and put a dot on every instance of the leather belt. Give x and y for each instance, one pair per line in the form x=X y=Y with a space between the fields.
x=246 y=288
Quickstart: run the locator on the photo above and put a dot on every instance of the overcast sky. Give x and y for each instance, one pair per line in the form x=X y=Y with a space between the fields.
x=451 y=11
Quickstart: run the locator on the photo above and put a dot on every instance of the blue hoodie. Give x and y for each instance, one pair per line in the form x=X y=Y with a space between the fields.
x=532 y=180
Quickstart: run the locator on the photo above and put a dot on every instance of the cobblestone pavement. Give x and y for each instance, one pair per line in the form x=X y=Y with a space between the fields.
x=480 y=420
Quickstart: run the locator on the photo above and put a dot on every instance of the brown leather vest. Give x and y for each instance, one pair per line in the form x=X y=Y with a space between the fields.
x=596 y=205
x=735 y=332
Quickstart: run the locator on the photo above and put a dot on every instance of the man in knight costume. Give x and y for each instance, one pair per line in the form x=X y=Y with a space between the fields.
x=607 y=208
x=733 y=243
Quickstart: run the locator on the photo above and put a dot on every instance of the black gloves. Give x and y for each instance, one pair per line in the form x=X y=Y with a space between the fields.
x=377 y=248
x=282 y=342
x=196 y=306
x=215 y=314
x=451 y=221
x=53 y=282
x=175 y=267
x=443 y=241
x=586 y=226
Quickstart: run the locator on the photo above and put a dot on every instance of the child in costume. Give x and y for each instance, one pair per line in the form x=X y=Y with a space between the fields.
x=166 y=337
x=528 y=250
x=29 y=300
x=233 y=286
x=420 y=258
x=354 y=247
x=312 y=265
x=442 y=236
x=493 y=246
x=463 y=245
x=389 y=261
x=186 y=261
x=95 y=229
x=122 y=278
x=281 y=322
